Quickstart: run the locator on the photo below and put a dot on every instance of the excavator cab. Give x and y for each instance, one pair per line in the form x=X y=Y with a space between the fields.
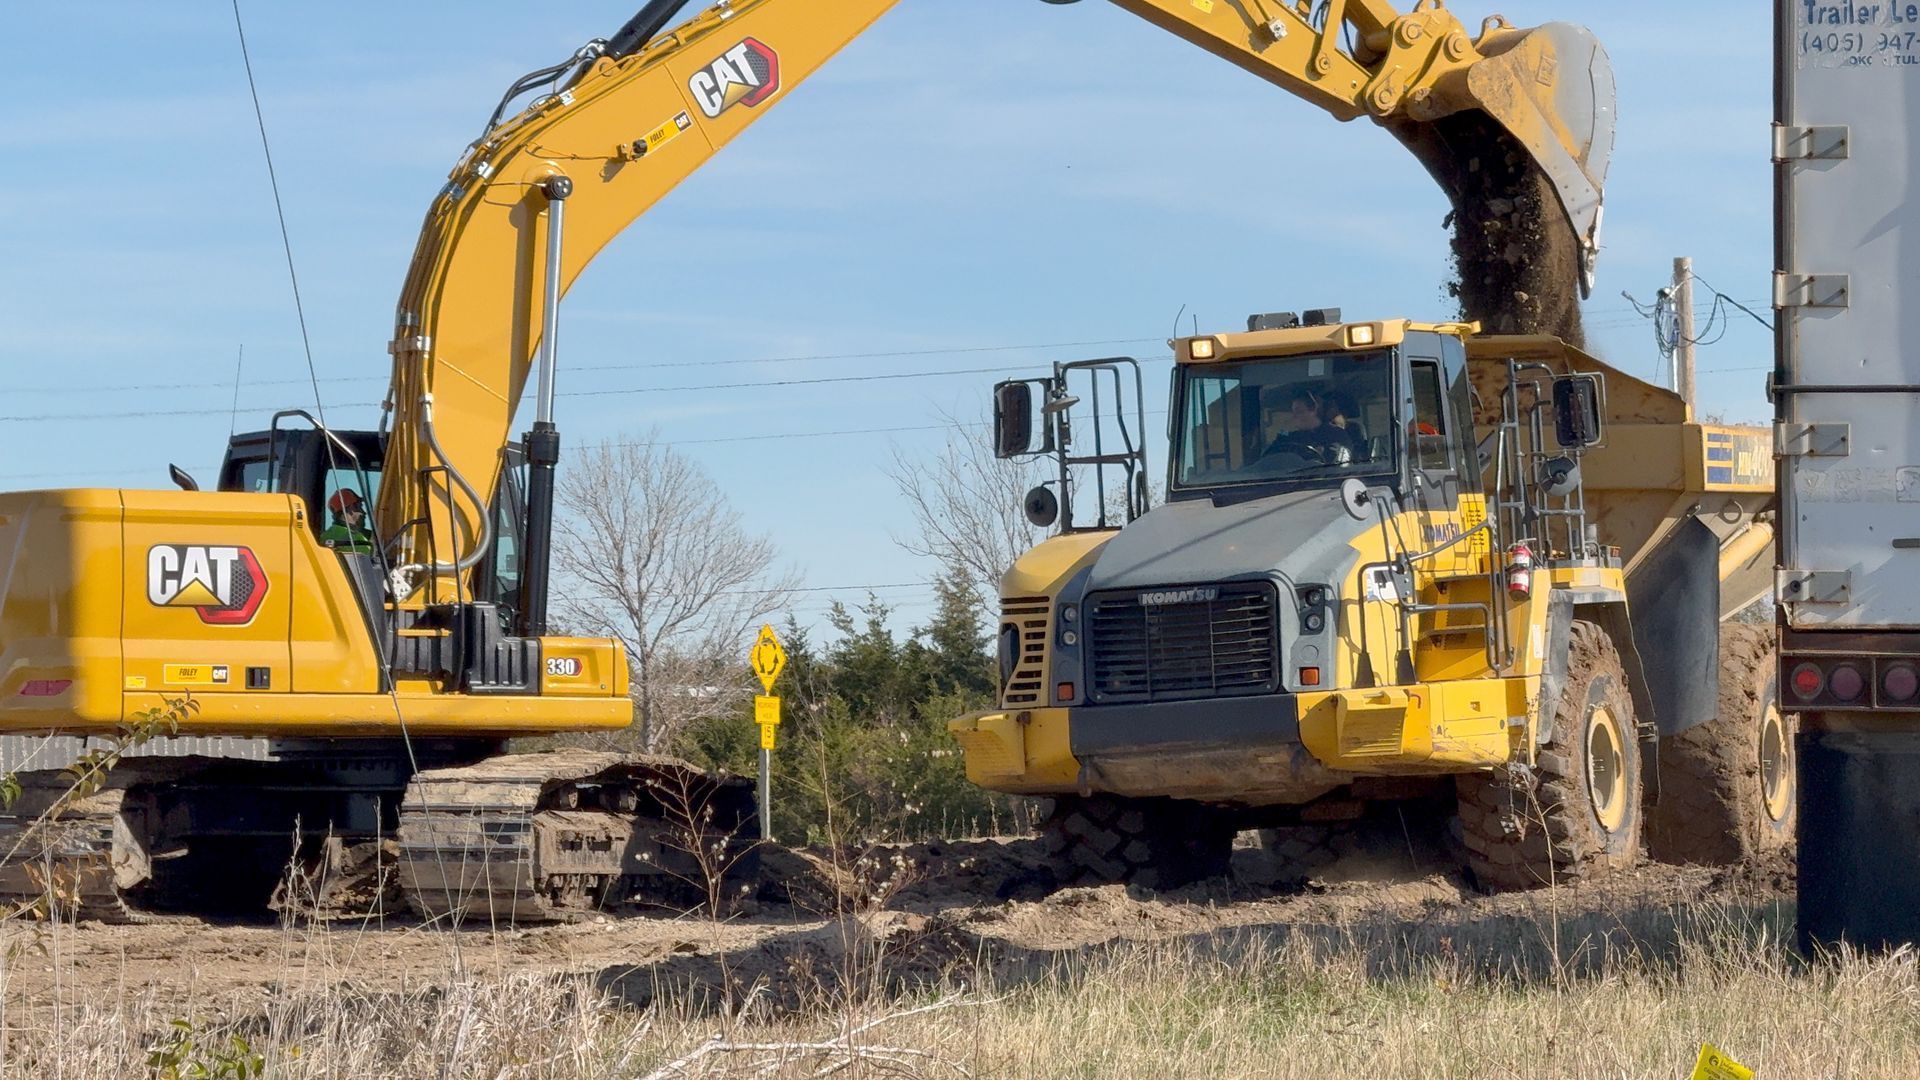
x=305 y=463
x=320 y=465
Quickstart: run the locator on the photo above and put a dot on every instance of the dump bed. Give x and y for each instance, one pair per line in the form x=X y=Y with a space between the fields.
x=1661 y=480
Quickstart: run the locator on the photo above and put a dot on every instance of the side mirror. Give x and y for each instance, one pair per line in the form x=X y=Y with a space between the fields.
x=1042 y=507
x=1576 y=410
x=183 y=478
x=1013 y=420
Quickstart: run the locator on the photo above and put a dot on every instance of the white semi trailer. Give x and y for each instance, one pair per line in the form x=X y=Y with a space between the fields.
x=1846 y=391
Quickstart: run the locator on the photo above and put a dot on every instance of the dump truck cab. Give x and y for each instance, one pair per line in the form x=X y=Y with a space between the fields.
x=1376 y=571
x=1202 y=647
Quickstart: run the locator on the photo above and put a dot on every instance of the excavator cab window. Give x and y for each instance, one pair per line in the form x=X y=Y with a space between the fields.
x=302 y=462
x=497 y=579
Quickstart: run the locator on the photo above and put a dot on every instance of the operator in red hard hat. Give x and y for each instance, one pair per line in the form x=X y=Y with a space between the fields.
x=348 y=532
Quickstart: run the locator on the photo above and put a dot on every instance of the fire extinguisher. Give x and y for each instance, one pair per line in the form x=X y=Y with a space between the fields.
x=1519 y=572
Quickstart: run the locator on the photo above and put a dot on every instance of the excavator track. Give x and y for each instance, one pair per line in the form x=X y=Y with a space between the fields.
x=556 y=836
x=78 y=855
x=515 y=839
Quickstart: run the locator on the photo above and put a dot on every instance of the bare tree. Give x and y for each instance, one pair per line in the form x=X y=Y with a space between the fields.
x=650 y=552
x=967 y=504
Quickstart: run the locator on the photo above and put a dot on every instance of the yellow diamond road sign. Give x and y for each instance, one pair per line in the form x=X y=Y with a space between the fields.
x=768 y=658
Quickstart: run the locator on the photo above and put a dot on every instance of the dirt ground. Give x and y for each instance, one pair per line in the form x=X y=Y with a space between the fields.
x=944 y=903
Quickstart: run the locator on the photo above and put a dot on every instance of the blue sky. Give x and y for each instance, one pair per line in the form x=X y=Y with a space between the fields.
x=971 y=174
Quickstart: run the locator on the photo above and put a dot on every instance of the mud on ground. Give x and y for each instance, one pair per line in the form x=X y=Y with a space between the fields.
x=924 y=912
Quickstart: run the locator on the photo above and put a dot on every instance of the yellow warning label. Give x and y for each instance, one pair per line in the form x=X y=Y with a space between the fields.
x=665 y=133
x=195 y=674
x=1204 y=5
x=1473 y=514
x=136 y=682
x=1714 y=1064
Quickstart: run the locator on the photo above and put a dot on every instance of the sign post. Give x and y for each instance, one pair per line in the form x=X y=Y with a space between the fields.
x=768 y=660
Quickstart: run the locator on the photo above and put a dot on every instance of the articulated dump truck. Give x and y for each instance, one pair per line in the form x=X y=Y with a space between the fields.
x=1397 y=563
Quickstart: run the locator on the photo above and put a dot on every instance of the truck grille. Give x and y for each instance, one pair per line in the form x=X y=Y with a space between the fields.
x=1220 y=647
x=1027 y=683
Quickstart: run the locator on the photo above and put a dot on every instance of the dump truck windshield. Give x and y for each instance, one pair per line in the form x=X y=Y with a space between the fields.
x=1293 y=419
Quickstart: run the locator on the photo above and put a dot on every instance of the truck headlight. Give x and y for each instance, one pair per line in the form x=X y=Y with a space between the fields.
x=1314 y=601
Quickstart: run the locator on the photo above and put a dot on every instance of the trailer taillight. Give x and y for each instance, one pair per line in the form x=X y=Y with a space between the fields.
x=1900 y=683
x=1846 y=683
x=1808 y=682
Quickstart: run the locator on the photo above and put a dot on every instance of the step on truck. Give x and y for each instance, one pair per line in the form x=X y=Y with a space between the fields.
x=1846 y=393
x=1478 y=577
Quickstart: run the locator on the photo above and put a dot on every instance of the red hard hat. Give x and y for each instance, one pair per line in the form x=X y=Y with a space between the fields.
x=343 y=501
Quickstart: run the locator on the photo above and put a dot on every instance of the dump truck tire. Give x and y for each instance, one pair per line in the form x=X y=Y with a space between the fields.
x=1153 y=843
x=1580 y=816
x=1293 y=855
x=1727 y=786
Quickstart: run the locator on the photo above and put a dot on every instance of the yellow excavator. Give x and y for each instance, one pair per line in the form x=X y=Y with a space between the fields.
x=389 y=656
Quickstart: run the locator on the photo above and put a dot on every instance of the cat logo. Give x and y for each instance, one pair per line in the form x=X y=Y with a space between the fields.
x=224 y=585
x=747 y=74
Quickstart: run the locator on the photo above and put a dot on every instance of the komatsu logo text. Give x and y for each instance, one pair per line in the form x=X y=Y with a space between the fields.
x=224 y=585
x=747 y=74
x=1159 y=597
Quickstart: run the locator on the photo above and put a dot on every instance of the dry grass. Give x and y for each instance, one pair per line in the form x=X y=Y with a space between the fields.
x=1630 y=994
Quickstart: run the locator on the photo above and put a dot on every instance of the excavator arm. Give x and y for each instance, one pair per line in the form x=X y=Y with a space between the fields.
x=1549 y=89
x=626 y=119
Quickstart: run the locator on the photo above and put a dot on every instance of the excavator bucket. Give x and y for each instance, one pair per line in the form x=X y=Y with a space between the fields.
x=1552 y=89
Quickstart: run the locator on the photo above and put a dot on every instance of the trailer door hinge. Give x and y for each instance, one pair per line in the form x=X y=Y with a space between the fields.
x=1794 y=439
x=1809 y=142
x=1813 y=586
x=1809 y=290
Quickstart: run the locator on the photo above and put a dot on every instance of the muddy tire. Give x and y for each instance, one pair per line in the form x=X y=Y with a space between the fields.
x=1727 y=786
x=1153 y=843
x=1580 y=817
x=1294 y=854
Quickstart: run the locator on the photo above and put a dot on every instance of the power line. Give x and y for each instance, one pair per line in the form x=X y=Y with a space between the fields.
x=955 y=351
x=286 y=240
x=889 y=377
x=1720 y=298
x=828 y=589
x=615 y=392
x=607 y=443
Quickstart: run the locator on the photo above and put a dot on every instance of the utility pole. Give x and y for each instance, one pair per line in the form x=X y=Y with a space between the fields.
x=1683 y=316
